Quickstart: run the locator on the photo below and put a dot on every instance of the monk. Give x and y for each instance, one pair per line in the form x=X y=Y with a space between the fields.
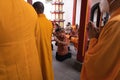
x=44 y=42
x=73 y=37
x=74 y=40
x=19 y=58
x=102 y=60
x=74 y=31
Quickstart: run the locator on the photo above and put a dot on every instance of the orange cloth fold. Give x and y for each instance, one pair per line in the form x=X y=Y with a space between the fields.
x=102 y=60
x=19 y=58
x=43 y=35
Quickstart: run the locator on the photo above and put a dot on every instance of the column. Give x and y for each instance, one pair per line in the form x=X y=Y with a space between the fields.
x=84 y=18
x=74 y=12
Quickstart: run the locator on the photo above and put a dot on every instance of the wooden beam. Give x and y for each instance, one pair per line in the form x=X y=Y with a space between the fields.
x=74 y=12
x=84 y=18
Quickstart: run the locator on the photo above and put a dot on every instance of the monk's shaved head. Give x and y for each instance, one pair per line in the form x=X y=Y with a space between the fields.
x=39 y=7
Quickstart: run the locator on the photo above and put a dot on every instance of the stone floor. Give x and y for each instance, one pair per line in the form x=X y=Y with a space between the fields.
x=66 y=70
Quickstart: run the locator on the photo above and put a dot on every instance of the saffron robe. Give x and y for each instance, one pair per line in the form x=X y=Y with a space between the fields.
x=102 y=60
x=19 y=58
x=74 y=40
x=44 y=33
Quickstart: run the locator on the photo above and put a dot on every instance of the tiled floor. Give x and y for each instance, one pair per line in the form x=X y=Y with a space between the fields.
x=65 y=70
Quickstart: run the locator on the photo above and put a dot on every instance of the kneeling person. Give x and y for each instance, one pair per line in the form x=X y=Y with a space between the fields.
x=62 y=43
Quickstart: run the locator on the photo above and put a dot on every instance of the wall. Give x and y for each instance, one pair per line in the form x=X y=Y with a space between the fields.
x=47 y=6
x=68 y=8
x=95 y=1
x=78 y=11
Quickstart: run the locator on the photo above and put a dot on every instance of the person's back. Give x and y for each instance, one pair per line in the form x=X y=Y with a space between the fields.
x=18 y=53
x=44 y=42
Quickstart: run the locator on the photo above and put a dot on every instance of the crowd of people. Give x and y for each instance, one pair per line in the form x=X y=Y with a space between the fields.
x=63 y=38
x=25 y=43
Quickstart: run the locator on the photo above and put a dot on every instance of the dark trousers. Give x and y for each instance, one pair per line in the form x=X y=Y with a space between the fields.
x=62 y=57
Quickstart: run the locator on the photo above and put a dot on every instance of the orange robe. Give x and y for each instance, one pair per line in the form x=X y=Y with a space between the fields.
x=74 y=40
x=19 y=58
x=44 y=34
x=102 y=60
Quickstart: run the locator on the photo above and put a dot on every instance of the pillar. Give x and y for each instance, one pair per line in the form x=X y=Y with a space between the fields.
x=84 y=18
x=74 y=12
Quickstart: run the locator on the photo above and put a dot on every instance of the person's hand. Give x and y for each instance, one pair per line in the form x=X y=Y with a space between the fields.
x=93 y=32
x=55 y=38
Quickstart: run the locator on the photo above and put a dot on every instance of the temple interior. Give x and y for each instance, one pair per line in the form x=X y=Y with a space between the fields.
x=64 y=12
x=59 y=40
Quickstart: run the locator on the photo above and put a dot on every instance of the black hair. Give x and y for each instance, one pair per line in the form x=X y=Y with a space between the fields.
x=39 y=7
x=57 y=25
x=59 y=30
x=68 y=24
